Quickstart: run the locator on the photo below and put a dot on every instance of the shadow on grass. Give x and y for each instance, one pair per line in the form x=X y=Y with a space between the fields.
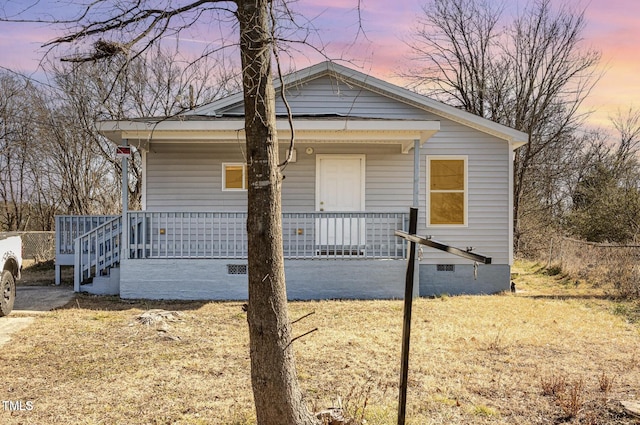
x=618 y=306
x=569 y=297
x=115 y=303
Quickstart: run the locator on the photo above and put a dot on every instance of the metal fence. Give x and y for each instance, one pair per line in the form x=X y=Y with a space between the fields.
x=38 y=246
x=610 y=266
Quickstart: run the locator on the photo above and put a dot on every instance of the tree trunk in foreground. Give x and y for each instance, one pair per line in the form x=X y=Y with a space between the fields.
x=277 y=396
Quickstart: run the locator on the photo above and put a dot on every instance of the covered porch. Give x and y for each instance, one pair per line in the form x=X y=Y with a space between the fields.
x=341 y=209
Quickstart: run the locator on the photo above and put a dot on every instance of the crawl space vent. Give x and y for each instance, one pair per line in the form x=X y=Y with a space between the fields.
x=236 y=269
x=446 y=268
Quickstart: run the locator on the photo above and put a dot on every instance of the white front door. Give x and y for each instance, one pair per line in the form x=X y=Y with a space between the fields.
x=340 y=188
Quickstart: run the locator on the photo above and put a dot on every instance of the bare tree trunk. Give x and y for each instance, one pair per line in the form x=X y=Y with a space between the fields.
x=277 y=396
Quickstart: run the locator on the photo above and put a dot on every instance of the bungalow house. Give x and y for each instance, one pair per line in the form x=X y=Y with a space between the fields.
x=365 y=152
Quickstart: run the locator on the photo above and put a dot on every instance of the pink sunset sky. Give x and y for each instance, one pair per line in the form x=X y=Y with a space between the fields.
x=612 y=27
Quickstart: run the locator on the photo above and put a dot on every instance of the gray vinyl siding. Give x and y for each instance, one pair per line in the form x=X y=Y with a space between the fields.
x=388 y=177
x=326 y=95
x=188 y=177
x=487 y=230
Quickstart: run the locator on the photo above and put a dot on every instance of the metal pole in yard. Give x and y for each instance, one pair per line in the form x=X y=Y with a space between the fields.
x=406 y=326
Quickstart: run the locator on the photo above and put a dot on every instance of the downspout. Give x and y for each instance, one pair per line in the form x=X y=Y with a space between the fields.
x=125 y=204
x=512 y=156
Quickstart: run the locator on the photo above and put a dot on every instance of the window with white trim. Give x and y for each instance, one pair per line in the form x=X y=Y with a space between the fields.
x=447 y=190
x=234 y=176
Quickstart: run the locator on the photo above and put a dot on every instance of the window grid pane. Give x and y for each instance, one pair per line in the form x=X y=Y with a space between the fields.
x=447 y=208
x=447 y=174
x=234 y=177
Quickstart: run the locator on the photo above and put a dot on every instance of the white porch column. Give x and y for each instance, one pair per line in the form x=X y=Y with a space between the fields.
x=416 y=203
x=124 y=241
x=143 y=200
x=416 y=173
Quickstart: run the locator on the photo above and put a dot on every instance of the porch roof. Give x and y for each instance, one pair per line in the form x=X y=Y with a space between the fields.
x=311 y=129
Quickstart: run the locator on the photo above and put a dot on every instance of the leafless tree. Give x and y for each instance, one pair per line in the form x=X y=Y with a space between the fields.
x=627 y=125
x=606 y=195
x=456 y=45
x=18 y=144
x=53 y=161
x=83 y=179
x=46 y=168
x=156 y=83
x=142 y=24
x=531 y=74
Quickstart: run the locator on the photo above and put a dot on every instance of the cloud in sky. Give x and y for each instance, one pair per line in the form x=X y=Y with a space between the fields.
x=611 y=27
x=20 y=45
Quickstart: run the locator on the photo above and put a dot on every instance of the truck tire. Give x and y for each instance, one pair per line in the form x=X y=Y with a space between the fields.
x=7 y=293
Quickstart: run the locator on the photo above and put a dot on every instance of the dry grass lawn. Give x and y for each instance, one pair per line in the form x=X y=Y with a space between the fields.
x=555 y=352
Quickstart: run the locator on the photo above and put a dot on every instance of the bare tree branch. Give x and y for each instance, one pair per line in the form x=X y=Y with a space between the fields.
x=533 y=76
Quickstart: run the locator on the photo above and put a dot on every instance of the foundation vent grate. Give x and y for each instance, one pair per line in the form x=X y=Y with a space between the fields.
x=236 y=269
x=446 y=268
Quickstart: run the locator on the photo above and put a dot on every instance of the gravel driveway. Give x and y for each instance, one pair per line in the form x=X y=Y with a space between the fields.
x=30 y=302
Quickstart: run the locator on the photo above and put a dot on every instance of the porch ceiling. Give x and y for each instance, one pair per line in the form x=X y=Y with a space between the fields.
x=342 y=130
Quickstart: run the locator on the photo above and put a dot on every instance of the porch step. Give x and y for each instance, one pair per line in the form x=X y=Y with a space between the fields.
x=104 y=285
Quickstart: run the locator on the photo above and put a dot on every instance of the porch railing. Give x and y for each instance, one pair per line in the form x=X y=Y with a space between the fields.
x=305 y=235
x=222 y=235
x=97 y=251
x=70 y=227
x=67 y=229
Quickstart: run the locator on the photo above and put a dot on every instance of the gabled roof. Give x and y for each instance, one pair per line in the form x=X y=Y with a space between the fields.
x=514 y=137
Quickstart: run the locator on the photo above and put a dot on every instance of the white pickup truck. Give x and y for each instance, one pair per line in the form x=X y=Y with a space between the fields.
x=10 y=268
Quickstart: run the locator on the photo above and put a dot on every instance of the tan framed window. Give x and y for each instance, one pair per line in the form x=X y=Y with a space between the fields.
x=234 y=176
x=447 y=186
